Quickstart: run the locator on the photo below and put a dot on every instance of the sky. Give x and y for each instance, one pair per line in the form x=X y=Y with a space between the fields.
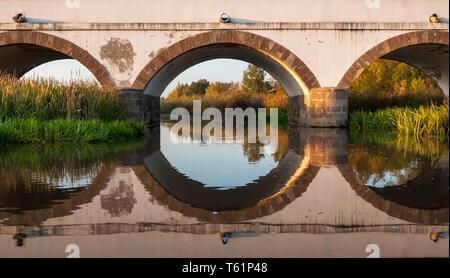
x=224 y=70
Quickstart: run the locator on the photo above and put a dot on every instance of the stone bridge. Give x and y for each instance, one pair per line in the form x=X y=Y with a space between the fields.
x=315 y=49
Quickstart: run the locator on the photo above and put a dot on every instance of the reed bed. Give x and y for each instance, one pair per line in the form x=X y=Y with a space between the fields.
x=45 y=110
x=22 y=131
x=421 y=121
x=46 y=99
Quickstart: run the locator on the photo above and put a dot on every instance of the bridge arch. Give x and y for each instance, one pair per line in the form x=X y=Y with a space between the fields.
x=20 y=51
x=269 y=55
x=425 y=50
x=282 y=64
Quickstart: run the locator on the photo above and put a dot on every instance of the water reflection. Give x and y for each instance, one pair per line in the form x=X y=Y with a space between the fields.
x=382 y=160
x=39 y=176
x=221 y=166
x=413 y=172
x=317 y=181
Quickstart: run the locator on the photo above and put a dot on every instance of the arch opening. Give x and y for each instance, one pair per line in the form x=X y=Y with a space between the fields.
x=425 y=50
x=172 y=69
x=279 y=62
x=431 y=58
x=21 y=51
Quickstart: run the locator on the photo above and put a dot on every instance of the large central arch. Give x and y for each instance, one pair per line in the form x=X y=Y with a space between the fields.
x=282 y=64
x=20 y=51
x=292 y=73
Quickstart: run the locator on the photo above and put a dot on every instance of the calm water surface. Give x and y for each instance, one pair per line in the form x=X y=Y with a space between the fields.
x=319 y=193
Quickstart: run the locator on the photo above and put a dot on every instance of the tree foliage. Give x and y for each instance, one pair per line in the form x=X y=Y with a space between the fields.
x=197 y=88
x=389 y=83
x=253 y=80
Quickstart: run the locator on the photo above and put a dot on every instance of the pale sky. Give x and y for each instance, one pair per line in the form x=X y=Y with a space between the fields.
x=224 y=70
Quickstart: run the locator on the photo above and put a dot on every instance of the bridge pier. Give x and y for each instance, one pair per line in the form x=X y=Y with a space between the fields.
x=140 y=107
x=324 y=107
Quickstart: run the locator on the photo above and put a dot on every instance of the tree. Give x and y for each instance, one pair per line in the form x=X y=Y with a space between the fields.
x=217 y=88
x=253 y=80
x=197 y=88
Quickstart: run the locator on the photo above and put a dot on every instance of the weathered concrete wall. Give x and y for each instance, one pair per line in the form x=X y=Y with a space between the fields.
x=326 y=51
x=209 y=11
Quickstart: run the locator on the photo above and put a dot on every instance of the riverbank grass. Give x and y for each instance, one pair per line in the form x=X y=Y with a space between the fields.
x=23 y=131
x=44 y=111
x=421 y=121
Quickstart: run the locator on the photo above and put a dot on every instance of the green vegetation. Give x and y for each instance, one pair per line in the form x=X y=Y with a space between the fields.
x=34 y=111
x=422 y=121
x=388 y=84
x=23 y=131
x=254 y=92
x=49 y=99
x=393 y=96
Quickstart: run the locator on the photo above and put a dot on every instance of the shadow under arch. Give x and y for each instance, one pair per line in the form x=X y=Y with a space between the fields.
x=396 y=207
x=425 y=50
x=282 y=64
x=265 y=196
x=20 y=51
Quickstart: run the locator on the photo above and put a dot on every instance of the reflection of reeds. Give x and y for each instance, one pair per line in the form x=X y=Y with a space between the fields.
x=372 y=154
x=422 y=121
x=50 y=164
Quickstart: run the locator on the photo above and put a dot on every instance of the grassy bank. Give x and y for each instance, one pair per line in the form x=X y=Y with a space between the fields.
x=421 y=121
x=34 y=111
x=15 y=130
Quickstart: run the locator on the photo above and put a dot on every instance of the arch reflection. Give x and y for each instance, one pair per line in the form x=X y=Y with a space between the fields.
x=122 y=177
x=408 y=178
x=307 y=151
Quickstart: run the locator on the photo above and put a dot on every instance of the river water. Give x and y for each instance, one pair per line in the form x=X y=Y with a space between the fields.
x=315 y=193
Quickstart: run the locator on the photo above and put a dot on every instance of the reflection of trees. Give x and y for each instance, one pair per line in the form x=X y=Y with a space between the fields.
x=283 y=145
x=120 y=201
x=375 y=157
x=251 y=150
x=35 y=176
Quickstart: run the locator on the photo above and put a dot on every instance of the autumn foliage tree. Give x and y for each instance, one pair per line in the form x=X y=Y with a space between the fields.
x=253 y=80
